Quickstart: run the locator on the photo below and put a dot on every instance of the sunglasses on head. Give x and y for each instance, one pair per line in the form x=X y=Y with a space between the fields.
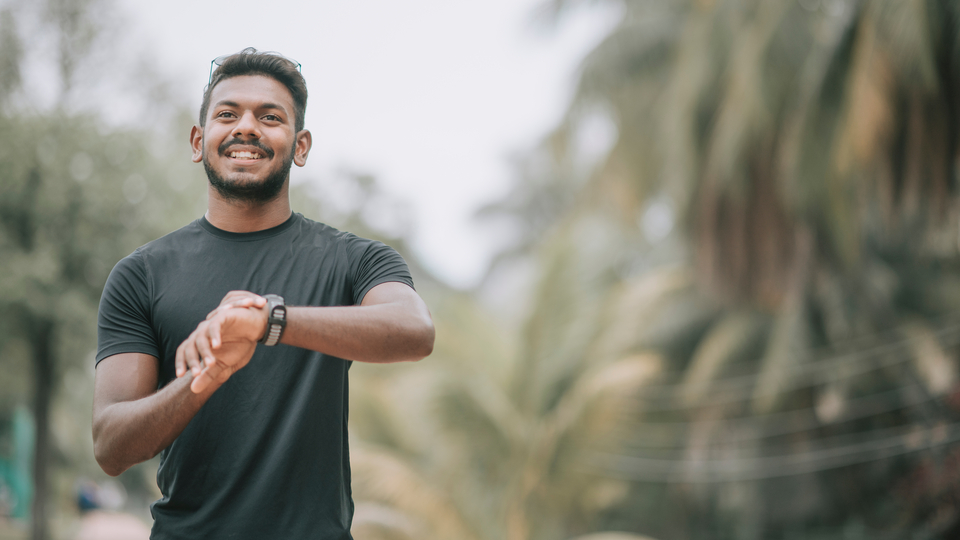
x=218 y=61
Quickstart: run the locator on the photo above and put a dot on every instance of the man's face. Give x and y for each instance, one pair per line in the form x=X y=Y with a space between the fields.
x=248 y=143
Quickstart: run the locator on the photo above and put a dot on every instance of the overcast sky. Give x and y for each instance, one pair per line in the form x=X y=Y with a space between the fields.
x=430 y=96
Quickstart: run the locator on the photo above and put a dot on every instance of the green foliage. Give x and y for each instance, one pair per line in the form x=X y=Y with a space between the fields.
x=782 y=362
x=801 y=307
x=449 y=445
x=78 y=195
x=10 y=59
x=77 y=199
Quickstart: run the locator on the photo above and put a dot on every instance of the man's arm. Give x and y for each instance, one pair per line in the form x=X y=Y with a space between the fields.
x=132 y=421
x=392 y=324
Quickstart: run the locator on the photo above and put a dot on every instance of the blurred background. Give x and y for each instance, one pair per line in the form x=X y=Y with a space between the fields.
x=694 y=265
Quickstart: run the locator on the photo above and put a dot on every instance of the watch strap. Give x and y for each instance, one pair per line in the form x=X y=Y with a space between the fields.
x=276 y=320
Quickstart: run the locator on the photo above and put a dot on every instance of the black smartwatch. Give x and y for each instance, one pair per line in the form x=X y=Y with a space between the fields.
x=276 y=320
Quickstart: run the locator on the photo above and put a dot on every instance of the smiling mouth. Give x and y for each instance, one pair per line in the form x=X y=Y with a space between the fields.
x=245 y=155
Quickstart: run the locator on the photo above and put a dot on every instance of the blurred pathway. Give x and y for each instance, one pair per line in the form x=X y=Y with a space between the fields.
x=99 y=525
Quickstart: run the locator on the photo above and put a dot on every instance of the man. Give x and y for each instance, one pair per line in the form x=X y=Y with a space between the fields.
x=252 y=438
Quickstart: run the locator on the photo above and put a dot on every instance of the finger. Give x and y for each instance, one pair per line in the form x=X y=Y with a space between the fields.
x=233 y=296
x=226 y=302
x=179 y=363
x=213 y=332
x=199 y=383
x=202 y=343
x=190 y=355
x=241 y=303
x=246 y=302
x=206 y=377
x=219 y=309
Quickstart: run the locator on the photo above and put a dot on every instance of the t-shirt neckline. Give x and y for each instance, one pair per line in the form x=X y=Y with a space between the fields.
x=247 y=236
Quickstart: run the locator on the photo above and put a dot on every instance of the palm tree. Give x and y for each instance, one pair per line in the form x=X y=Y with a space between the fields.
x=444 y=450
x=805 y=308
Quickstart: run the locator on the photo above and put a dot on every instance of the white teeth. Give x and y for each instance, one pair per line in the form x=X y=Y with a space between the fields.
x=244 y=155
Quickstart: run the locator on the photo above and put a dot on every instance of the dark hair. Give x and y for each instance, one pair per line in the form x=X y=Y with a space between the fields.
x=251 y=62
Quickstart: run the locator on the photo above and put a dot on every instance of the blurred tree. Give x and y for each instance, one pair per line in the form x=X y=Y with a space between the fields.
x=443 y=450
x=790 y=168
x=75 y=202
x=78 y=196
x=440 y=449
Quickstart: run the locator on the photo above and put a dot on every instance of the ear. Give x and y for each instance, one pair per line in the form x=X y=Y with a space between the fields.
x=196 y=143
x=300 y=151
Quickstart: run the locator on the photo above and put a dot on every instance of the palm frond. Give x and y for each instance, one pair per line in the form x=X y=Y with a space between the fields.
x=417 y=506
x=612 y=536
x=724 y=342
x=935 y=368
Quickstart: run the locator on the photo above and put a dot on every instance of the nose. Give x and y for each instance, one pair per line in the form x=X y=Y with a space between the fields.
x=247 y=126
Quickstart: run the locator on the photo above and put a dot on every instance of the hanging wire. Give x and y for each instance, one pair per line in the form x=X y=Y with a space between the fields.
x=740 y=388
x=647 y=469
x=667 y=440
x=758 y=427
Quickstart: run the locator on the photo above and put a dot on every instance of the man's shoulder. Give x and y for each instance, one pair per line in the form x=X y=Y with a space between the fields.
x=329 y=232
x=174 y=240
x=169 y=242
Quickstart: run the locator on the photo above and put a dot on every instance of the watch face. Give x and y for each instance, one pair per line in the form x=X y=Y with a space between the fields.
x=276 y=307
x=278 y=311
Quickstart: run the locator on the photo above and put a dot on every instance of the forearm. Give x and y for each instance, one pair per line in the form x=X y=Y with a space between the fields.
x=130 y=432
x=381 y=333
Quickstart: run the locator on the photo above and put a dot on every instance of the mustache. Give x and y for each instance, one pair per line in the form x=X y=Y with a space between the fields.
x=237 y=142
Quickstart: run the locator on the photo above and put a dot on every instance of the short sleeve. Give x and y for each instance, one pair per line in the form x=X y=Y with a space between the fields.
x=373 y=263
x=123 y=321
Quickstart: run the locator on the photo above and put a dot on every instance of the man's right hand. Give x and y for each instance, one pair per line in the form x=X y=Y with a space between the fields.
x=221 y=345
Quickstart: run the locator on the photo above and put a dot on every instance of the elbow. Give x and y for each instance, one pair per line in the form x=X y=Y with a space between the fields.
x=108 y=453
x=426 y=337
x=101 y=451
x=107 y=461
x=111 y=471
x=114 y=463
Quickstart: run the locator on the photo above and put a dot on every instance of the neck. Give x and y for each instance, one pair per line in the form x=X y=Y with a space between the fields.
x=245 y=216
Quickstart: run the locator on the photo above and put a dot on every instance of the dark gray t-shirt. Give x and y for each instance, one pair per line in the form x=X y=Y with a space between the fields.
x=267 y=455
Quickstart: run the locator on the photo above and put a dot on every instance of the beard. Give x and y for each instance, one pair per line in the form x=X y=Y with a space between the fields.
x=253 y=192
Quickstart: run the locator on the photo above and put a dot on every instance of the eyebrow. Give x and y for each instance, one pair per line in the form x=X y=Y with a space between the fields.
x=268 y=105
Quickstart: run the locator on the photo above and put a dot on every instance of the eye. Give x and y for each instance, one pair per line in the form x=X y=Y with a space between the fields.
x=272 y=118
x=225 y=114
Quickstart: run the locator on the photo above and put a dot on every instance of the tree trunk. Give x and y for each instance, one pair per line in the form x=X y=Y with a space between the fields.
x=42 y=344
